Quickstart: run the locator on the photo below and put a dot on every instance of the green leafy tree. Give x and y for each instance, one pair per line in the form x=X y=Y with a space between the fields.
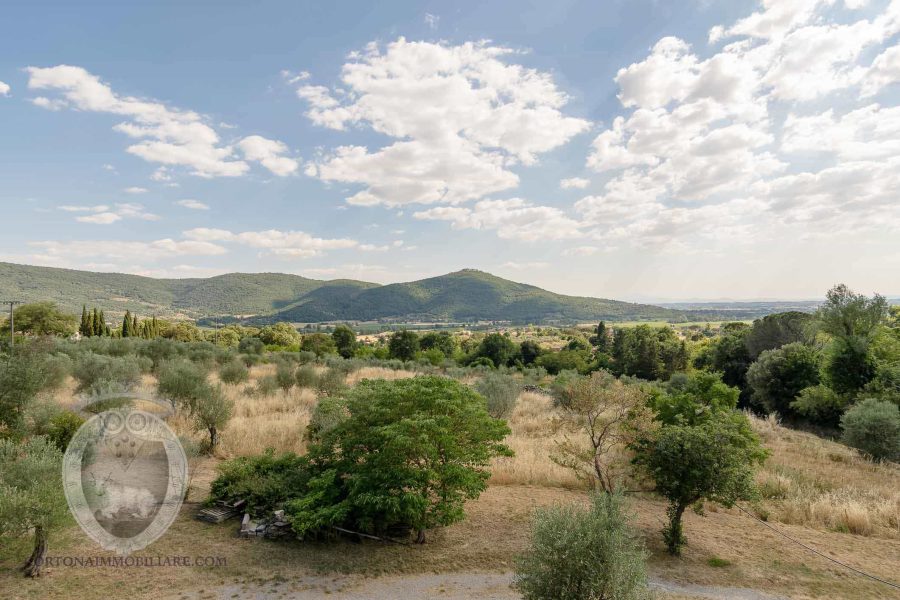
x=84 y=328
x=692 y=399
x=212 y=411
x=498 y=348
x=579 y=553
x=318 y=343
x=778 y=376
x=651 y=353
x=403 y=345
x=279 y=334
x=820 y=405
x=443 y=341
x=42 y=318
x=410 y=452
x=529 y=351
x=126 y=325
x=848 y=315
x=873 y=426
x=715 y=460
x=344 y=340
x=22 y=376
x=774 y=331
x=31 y=495
x=564 y=360
x=602 y=339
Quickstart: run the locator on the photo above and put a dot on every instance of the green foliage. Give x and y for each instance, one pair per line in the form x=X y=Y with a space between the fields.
x=62 y=427
x=564 y=360
x=443 y=341
x=403 y=345
x=181 y=382
x=529 y=351
x=774 y=331
x=651 y=353
x=580 y=553
x=31 y=494
x=847 y=315
x=849 y=366
x=306 y=376
x=410 y=452
x=22 y=376
x=344 y=340
x=284 y=375
x=501 y=350
x=42 y=318
x=563 y=388
x=328 y=414
x=501 y=393
x=318 y=343
x=266 y=386
x=98 y=372
x=234 y=371
x=279 y=334
x=692 y=399
x=251 y=345
x=729 y=355
x=331 y=382
x=714 y=460
x=821 y=405
x=873 y=426
x=212 y=410
x=265 y=482
x=778 y=376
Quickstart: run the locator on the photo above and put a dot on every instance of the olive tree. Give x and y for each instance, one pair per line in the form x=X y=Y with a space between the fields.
x=213 y=409
x=602 y=414
x=31 y=495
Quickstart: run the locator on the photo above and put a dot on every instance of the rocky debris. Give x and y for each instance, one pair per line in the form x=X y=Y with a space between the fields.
x=274 y=527
x=221 y=511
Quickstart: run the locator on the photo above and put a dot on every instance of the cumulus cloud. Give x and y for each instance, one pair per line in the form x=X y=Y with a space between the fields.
x=135 y=190
x=4 y=89
x=124 y=250
x=460 y=116
x=101 y=214
x=725 y=147
x=165 y=135
x=297 y=244
x=192 y=204
x=574 y=183
x=513 y=219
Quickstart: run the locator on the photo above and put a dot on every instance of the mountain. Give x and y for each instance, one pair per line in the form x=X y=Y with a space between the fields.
x=464 y=296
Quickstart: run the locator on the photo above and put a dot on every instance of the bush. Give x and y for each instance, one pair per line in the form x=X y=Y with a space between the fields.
x=821 y=405
x=579 y=553
x=331 y=383
x=306 y=376
x=328 y=414
x=778 y=376
x=562 y=387
x=305 y=357
x=251 y=345
x=265 y=482
x=234 y=372
x=873 y=426
x=62 y=427
x=266 y=386
x=501 y=393
x=96 y=372
x=284 y=375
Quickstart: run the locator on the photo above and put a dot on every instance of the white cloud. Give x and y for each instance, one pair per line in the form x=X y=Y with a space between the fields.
x=581 y=251
x=460 y=117
x=511 y=219
x=726 y=149
x=169 y=136
x=135 y=190
x=525 y=266
x=432 y=20
x=102 y=214
x=574 y=183
x=269 y=154
x=192 y=204
x=4 y=89
x=124 y=250
x=280 y=243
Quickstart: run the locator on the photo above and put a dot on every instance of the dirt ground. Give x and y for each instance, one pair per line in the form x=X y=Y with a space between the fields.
x=473 y=558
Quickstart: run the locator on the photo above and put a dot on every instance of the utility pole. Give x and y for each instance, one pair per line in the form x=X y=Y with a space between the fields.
x=12 y=325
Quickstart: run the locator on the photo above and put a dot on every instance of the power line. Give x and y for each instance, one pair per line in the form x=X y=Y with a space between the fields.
x=814 y=551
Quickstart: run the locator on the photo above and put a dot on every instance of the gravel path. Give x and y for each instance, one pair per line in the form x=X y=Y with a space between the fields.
x=449 y=586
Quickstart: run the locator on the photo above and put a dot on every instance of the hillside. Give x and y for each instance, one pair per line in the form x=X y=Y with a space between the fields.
x=463 y=296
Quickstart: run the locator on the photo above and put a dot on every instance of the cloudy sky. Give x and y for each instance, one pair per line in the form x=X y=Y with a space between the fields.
x=628 y=149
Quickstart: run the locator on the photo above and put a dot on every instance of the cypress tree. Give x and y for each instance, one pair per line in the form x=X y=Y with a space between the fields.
x=101 y=324
x=126 y=325
x=135 y=327
x=107 y=331
x=83 y=328
x=96 y=323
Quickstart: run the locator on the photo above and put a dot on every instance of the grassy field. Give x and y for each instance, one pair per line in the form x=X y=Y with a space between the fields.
x=816 y=491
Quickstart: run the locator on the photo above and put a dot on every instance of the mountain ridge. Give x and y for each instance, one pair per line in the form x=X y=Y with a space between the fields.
x=466 y=295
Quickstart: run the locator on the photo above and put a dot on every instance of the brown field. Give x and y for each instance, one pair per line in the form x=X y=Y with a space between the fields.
x=817 y=491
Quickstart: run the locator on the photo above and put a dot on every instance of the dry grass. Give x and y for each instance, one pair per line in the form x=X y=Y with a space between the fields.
x=815 y=482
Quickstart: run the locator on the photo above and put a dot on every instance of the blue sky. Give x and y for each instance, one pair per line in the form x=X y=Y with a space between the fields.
x=638 y=150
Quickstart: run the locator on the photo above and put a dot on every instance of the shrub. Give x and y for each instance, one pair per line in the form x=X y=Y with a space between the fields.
x=821 y=405
x=234 y=372
x=306 y=376
x=96 y=372
x=562 y=387
x=778 y=376
x=284 y=375
x=331 y=383
x=873 y=426
x=501 y=392
x=305 y=357
x=265 y=482
x=251 y=345
x=577 y=553
x=266 y=386
x=181 y=382
x=62 y=427
x=328 y=414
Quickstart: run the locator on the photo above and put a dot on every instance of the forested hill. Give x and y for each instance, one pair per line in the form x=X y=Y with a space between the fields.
x=466 y=295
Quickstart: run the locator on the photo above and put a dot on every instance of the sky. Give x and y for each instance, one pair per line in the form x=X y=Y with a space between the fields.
x=633 y=149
